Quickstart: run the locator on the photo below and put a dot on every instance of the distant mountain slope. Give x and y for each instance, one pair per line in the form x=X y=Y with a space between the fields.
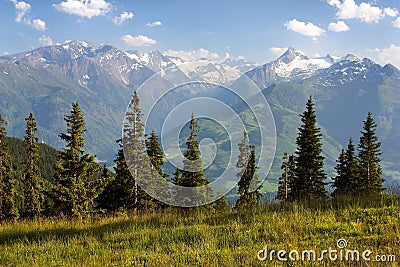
x=17 y=154
x=291 y=65
x=344 y=93
x=48 y=79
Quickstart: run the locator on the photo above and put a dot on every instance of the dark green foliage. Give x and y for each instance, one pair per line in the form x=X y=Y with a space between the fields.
x=192 y=175
x=157 y=158
x=137 y=162
x=8 y=208
x=340 y=181
x=347 y=181
x=287 y=178
x=309 y=180
x=33 y=183
x=192 y=160
x=77 y=179
x=249 y=194
x=221 y=204
x=155 y=153
x=353 y=168
x=107 y=199
x=369 y=156
x=47 y=159
x=243 y=159
x=119 y=191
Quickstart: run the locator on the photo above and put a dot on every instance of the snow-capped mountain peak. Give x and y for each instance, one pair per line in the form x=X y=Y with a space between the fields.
x=239 y=63
x=292 y=54
x=294 y=64
x=350 y=57
x=153 y=60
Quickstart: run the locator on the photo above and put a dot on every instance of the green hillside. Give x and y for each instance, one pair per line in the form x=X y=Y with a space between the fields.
x=17 y=153
x=46 y=162
x=179 y=238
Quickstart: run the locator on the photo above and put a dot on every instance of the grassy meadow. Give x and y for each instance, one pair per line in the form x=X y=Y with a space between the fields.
x=203 y=238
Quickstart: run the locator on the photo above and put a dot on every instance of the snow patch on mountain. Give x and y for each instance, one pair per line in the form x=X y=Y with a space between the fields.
x=296 y=66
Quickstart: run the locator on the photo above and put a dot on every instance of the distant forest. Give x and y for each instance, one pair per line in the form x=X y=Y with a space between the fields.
x=37 y=180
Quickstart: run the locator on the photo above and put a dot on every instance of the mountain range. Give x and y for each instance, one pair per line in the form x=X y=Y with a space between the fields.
x=48 y=79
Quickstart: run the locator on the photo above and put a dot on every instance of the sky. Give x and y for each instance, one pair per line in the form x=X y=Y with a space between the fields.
x=258 y=30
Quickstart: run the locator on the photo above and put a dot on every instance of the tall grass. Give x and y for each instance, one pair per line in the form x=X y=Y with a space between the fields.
x=201 y=238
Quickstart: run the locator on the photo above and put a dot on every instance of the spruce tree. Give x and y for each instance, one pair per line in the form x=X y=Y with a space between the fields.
x=77 y=178
x=8 y=208
x=369 y=157
x=310 y=176
x=137 y=162
x=192 y=174
x=249 y=180
x=155 y=153
x=33 y=183
x=340 y=181
x=347 y=182
x=119 y=191
x=286 y=180
x=243 y=159
x=157 y=158
x=353 y=170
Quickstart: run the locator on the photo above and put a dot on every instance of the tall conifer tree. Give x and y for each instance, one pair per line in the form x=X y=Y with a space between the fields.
x=369 y=156
x=243 y=159
x=192 y=175
x=348 y=179
x=157 y=158
x=286 y=179
x=137 y=161
x=340 y=181
x=310 y=176
x=77 y=178
x=33 y=183
x=353 y=170
x=8 y=208
x=248 y=197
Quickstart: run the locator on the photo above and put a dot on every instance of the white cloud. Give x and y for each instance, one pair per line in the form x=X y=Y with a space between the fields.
x=304 y=28
x=391 y=12
x=396 y=23
x=389 y=55
x=348 y=9
x=139 y=40
x=22 y=9
x=121 y=19
x=38 y=24
x=45 y=40
x=339 y=26
x=193 y=54
x=84 y=8
x=154 y=24
x=277 y=51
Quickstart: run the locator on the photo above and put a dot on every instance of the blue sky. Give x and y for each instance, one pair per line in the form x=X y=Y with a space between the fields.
x=258 y=30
